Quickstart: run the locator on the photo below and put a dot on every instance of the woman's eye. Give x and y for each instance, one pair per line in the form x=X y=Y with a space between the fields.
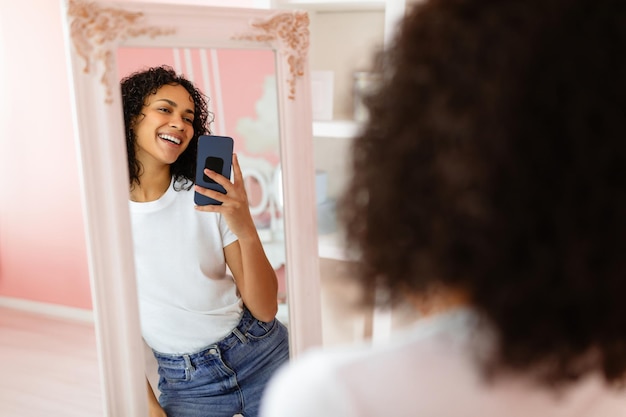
x=188 y=120
x=164 y=109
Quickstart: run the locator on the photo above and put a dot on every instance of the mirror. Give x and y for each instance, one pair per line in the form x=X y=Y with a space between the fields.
x=95 y=33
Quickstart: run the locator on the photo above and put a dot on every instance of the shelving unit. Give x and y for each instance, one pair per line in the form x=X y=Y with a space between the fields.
x=344 y=34
x=359 y=26
x=339 y=45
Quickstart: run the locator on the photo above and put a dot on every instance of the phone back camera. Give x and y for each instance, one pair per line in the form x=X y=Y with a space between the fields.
x=214 y=164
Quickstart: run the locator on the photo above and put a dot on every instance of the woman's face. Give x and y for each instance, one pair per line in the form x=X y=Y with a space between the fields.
x=165 y=127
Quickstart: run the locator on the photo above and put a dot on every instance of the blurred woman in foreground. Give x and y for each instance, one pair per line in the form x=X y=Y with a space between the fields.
x=489 y=189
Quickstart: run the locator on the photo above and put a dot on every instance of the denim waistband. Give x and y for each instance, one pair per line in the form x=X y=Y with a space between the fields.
x=237 y=335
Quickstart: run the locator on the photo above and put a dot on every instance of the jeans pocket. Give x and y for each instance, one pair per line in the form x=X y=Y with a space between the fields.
x=174 y=375
x=260 y=330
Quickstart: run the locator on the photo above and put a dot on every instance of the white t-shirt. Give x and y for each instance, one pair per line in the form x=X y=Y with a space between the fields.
x=187 y=300
x=427 y=371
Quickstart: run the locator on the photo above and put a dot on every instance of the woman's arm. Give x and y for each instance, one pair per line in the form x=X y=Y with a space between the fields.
x=254 y=276
x=253 y=273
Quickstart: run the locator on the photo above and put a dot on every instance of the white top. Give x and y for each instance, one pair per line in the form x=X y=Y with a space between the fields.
x=187 y=300
x=429 y=370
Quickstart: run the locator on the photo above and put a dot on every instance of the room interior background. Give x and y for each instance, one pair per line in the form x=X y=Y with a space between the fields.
x=43 y=260
x=43 y=263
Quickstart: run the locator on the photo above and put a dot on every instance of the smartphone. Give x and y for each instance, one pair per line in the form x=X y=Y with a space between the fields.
x=216 y=154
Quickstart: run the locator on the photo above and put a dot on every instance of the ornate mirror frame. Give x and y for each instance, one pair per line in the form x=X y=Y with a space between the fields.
x=93 y=31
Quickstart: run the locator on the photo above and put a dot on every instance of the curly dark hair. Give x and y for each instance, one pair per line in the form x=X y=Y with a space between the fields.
x=135 y=89
x=494 y=161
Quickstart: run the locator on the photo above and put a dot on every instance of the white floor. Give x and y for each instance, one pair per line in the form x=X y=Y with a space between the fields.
x=48 y=367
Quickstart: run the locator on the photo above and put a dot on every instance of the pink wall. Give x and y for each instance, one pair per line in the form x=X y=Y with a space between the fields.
x=42 y=244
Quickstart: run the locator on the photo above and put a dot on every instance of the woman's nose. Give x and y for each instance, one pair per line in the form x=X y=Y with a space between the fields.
x=177 y=121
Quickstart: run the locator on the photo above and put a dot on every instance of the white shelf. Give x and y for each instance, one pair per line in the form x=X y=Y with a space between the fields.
x=346 y=129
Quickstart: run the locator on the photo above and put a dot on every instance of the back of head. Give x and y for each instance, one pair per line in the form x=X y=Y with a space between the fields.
x=494 y=161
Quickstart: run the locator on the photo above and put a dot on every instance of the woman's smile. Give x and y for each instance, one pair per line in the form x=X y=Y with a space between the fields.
x=170 y=138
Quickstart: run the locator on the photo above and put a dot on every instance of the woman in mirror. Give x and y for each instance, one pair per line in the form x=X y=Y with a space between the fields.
x=207 y=293
x=488 y=190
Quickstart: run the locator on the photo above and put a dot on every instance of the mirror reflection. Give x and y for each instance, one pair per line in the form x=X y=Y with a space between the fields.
x=242 y=97
x=209 y=278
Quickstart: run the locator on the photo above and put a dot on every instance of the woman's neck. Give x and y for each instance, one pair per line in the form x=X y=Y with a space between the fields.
x=151 y=186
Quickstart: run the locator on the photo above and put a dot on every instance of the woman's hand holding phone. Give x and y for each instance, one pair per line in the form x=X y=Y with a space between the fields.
x=235 y=207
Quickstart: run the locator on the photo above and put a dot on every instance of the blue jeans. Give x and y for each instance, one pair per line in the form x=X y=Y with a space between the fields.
x=226 y=378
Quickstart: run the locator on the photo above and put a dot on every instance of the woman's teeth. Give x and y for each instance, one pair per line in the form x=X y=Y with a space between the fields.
x=170 y=138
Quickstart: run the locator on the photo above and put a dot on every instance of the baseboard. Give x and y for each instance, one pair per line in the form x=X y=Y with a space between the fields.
x=48 y=309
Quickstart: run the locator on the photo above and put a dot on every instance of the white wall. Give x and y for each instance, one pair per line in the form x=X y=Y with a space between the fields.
x=344 y=42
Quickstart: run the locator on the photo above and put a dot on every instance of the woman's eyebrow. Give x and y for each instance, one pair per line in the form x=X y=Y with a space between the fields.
x=173 y=104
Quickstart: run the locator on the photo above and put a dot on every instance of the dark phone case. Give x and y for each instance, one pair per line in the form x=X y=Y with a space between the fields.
x=215 y=153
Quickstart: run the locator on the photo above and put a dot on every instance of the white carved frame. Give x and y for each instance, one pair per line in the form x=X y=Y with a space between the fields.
x=93 y=31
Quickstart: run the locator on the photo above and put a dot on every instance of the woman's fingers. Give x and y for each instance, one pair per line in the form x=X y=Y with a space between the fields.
x=218 y=178
x=238 y=176
x=216 y=195
x=235 y=192
x=234 y=207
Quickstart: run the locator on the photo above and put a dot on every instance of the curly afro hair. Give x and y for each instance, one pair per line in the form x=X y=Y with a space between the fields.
x=494 y=161
x=135 y=89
